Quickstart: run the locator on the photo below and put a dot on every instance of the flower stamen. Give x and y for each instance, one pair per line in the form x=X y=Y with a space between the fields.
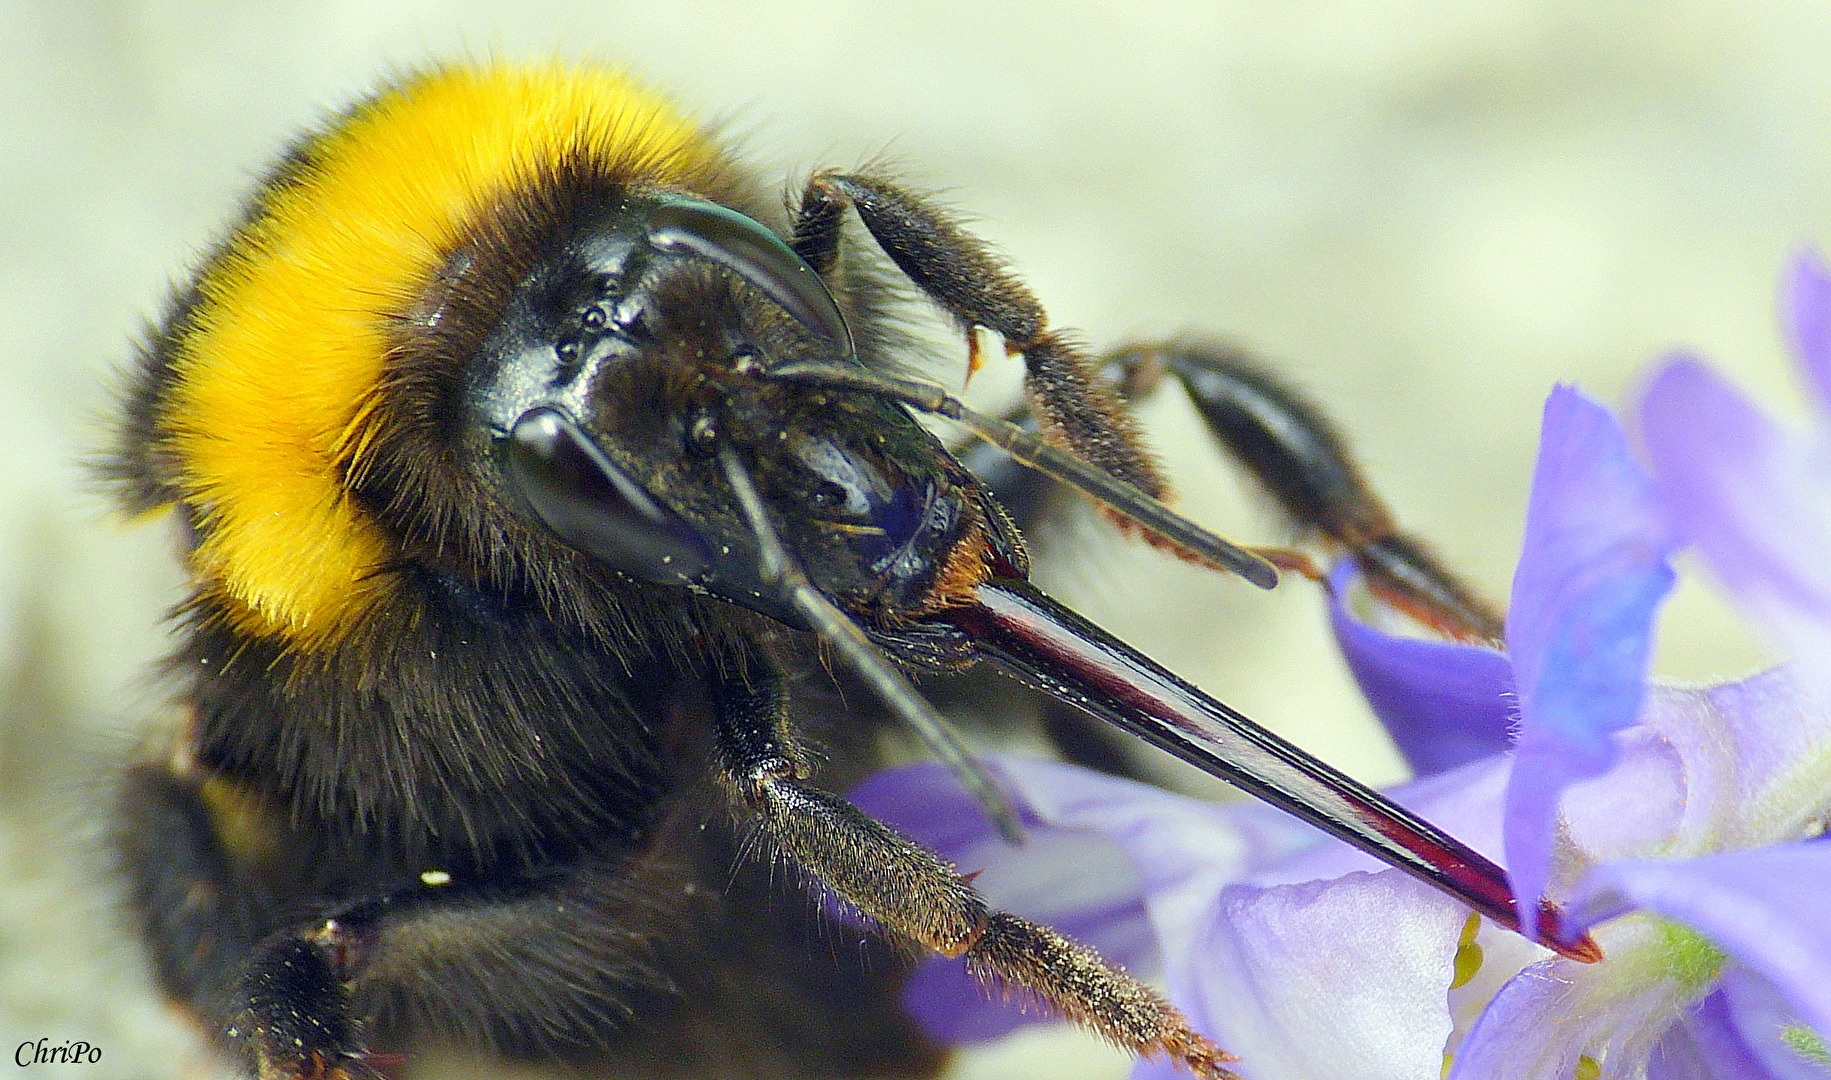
x=1468 y=954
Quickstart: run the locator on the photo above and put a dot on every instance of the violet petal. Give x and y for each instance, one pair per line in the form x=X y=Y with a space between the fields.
x=1592 y=571
x=1808 y=306
x=1769 y=908
x=1347 y=979
x=1706 y=1045
x=1652 y=801
x=955 y=1008
x=1125 y=867
x=1554 y=1013
x=1754 y=498
x=1735 y=766
x=1763 y=1022
x=1444 y=704
x=1776 y=741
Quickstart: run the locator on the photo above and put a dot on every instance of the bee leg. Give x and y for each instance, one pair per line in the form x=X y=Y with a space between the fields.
x=962 y=275
x=913 y=893
x=191 y=907
x=297 y=1021
x=204 y=919
x=319 y=998
x=292 y=998
x=1304 y=461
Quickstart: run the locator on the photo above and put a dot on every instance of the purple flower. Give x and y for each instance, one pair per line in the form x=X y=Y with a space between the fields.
x=1682 y=824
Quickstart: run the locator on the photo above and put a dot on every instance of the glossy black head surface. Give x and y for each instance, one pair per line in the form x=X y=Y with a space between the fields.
x=637 y=343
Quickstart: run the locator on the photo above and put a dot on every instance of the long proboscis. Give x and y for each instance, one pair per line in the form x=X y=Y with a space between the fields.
x=1031 y=449
x=1043 y=644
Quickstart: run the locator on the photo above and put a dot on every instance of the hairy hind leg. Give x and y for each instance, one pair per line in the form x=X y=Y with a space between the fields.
x=1292 y=448
x=917 y=896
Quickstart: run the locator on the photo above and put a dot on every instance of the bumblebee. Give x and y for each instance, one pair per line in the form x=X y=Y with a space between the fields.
x=532 y=460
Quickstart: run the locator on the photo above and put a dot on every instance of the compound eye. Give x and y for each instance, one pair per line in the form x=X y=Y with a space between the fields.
x=596 y=507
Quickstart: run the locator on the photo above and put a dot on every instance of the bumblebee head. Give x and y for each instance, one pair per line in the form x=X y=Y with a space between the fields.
x=614 y=372
x=513 y=323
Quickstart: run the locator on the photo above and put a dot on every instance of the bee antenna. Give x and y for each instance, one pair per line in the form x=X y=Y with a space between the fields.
x=1030 y=449
x=834 y=627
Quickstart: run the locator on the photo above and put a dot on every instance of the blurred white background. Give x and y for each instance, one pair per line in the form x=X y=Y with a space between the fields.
x=1426 y=213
